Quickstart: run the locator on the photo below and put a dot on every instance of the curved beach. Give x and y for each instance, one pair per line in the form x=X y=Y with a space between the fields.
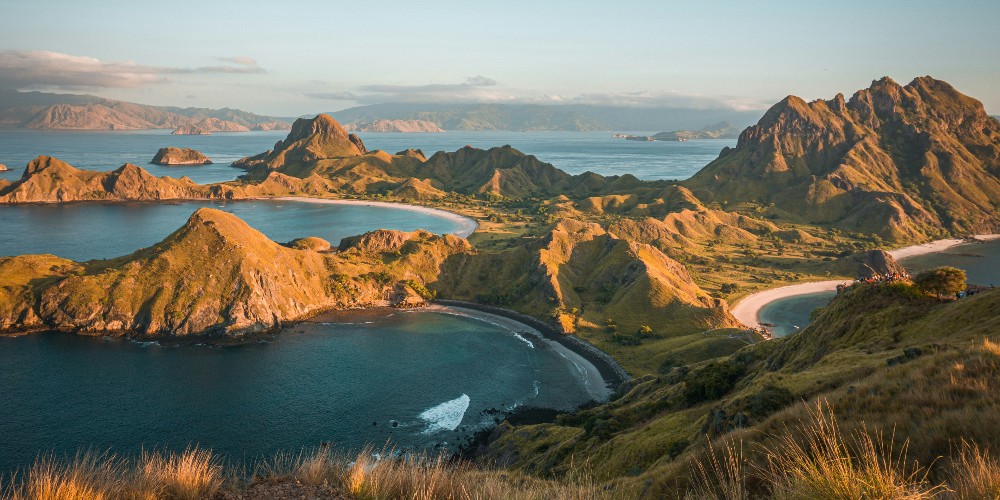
x=747 y=311
x=467 y=225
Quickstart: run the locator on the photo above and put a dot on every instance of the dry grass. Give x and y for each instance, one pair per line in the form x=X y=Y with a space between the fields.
x=388 y=475
x=719 y=478
x=974 y=474
x=191 y=474
x=823 y=463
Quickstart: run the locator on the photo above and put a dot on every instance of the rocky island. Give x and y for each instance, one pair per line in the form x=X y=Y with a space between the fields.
x=180 y=156
x=3 y=168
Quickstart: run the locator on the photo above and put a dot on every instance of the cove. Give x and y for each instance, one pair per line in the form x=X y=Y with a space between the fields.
x=89 y=230
x=981 y=262
x=342 y=378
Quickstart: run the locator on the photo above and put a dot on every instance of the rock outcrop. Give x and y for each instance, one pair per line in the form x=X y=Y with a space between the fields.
x=906 y=162
x=3 y=168
x=180 y=156
x=248 y=284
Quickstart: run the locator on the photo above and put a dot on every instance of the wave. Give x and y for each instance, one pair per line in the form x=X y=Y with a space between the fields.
x=446 y=416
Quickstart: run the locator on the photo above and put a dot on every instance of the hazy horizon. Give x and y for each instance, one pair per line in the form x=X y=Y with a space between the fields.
x=318 y=57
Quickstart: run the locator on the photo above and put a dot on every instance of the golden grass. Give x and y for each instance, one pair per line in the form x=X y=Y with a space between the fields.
x=974 y=474
x=191 y=474
x=388 y=475
x=823 y=463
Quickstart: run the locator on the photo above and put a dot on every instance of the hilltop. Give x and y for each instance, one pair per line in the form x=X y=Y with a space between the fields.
x=252 y=285
x=905 y=162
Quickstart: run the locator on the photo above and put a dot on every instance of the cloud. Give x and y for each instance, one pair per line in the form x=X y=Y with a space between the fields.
x=241 y=60
x=665 y=99
x=473 y=89
x=480 y=89
x=41 y=69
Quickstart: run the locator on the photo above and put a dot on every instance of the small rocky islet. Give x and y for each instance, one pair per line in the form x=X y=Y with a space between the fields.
x=180 y=156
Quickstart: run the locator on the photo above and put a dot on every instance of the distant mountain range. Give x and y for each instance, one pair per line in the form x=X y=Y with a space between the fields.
x=721 y=130
x=546 y=117
x=46 y=111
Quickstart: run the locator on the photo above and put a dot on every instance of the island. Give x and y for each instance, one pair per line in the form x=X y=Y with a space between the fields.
x=3 y=168
x=179 y=156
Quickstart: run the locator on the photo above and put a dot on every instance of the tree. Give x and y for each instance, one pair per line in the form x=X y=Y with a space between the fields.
x=941 y=281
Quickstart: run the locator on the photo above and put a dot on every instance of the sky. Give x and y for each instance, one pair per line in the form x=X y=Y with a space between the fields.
x=303 y=57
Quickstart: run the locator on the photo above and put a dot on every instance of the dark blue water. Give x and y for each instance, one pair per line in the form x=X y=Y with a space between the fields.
x=104 y=151
x=342 y=381
x=574 y=152
x=981 y=263
x=83 y=231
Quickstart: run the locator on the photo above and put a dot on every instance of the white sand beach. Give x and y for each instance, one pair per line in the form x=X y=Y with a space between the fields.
x=937 y=246
x=747 y=311
x=467 y=226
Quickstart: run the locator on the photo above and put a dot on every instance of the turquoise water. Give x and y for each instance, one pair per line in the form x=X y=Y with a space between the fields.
x=83 y=231
x=341 y=380
x=981 y=263
x=574 y=152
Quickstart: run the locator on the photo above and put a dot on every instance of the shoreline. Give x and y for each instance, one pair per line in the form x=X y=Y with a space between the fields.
x=747 y=310
x=611 y=372
x=467 y=225
x=939 y=246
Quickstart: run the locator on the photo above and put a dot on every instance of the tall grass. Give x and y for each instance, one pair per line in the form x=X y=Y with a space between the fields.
x=388 y=475
x=823 y=463
x=191 y=474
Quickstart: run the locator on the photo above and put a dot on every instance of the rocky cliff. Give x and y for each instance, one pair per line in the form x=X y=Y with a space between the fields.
x=214 y=275
x=906 y=162
x=180 y=156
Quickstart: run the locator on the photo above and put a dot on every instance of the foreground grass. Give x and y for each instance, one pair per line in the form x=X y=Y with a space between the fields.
x=323 y=473
x=814 y=460
x=819 y=461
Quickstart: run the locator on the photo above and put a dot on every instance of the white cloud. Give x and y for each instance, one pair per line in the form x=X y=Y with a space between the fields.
x=55 y=70
x=480 y=89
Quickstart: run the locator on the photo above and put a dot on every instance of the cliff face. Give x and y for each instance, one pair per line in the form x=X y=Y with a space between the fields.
x=249 y=284
x=179 y=156
x=906 y=162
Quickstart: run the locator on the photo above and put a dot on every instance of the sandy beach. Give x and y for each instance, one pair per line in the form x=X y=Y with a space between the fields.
x=747 y=311
x=467 y=226
x=937 y=246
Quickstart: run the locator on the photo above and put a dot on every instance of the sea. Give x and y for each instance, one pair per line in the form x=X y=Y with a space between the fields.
x=413 y=380
x=574 y=152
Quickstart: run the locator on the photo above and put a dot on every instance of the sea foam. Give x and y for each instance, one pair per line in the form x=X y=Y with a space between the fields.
x=446 y=416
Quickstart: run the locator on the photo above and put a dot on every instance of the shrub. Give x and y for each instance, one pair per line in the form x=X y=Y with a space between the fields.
x=940 y=281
